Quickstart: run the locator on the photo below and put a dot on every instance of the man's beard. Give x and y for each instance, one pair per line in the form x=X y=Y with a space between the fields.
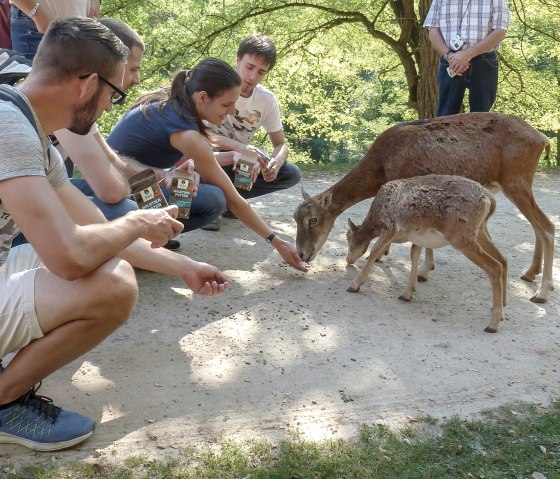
x=84 y=116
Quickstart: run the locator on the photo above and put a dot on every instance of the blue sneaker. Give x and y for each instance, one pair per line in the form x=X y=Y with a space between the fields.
x=35 y=422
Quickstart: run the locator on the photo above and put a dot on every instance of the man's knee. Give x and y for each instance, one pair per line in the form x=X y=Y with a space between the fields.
x=289 y=175
x=116 y=288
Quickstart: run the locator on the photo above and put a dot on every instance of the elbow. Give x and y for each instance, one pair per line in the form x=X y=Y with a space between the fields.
x=71 y=264
x=110 y=193
x=68 y=269
x=111 y=196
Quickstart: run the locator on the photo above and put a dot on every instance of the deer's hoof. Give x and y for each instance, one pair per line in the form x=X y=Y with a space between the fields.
x=404 y=298
x=538 y=299
x=351 y=289
x=490 y=330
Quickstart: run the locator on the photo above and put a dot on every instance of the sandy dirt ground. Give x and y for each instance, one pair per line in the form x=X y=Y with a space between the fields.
x=284 y=351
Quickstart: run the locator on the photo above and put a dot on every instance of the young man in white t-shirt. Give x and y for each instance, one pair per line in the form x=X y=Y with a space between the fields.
x=256 y=107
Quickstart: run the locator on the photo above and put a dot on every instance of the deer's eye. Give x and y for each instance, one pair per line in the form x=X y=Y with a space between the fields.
x=312 y=221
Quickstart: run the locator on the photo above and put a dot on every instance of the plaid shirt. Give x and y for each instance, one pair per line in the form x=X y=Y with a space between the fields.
x=472 y=20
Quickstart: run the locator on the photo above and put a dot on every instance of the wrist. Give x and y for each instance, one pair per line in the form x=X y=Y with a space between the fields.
x=31 y=13
x=446 y=54
x=270 y=237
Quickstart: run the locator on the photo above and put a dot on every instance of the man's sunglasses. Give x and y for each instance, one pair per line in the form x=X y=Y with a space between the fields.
x=118 y=95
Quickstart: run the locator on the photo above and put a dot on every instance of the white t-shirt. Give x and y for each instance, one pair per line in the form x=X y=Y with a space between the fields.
x=65 y=8
x=260 y=109
x=24 y=153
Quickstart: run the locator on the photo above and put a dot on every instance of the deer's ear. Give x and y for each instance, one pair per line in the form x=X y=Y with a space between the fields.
x=305 y=195
x=352 y=226
x=325 y=199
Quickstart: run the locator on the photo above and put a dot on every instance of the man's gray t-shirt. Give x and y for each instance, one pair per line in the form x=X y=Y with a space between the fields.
x=23 y=153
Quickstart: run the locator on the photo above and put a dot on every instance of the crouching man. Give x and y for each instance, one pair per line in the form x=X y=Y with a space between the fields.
x=74 y=284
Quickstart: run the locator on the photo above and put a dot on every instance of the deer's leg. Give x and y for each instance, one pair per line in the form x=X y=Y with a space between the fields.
x=415 y=251
x=492 y=267
x=376 y=251
x=544 y=240
x=489 y=247
x=385 y=253
x=427 y=266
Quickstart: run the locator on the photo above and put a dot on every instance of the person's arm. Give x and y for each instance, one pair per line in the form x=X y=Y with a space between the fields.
x=202 y=278
x=278 y=157
x=94 y=8
x=99 y=164
x=131 y=167
x=437 y=40
x=72 y=237
x=56 y=223
x=193 y=144
x=40 y=18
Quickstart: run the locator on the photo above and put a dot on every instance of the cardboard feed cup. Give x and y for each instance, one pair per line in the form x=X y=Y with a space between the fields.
x=181 y=193
x=146 y=191
x=244 y=170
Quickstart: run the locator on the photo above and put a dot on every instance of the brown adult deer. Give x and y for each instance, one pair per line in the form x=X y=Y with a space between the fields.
x=432 y=211
x=496 y=150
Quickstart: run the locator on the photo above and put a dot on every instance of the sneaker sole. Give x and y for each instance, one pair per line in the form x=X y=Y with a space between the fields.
x=42 y=446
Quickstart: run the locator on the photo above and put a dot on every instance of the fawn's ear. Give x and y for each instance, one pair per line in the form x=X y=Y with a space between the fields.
x=325 y=199
x=352 y=226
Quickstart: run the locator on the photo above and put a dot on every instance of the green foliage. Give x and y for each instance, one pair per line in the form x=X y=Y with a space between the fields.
x=338 y=79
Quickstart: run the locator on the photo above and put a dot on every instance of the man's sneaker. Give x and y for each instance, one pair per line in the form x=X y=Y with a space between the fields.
x=212 y=226
x=35 y=422
x=229 y=215
x=172 y=245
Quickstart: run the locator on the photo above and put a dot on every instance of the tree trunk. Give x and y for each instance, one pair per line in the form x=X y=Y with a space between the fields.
x=428 y=61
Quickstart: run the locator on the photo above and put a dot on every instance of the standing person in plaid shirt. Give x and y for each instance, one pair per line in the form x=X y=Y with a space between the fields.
x=467 y=33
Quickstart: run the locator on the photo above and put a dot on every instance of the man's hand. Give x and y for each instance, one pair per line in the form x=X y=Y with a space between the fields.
x=160 y=224
x=206 y=280
x=261 y=156
x=459 y=61
x=289 y=254
x=270 y=172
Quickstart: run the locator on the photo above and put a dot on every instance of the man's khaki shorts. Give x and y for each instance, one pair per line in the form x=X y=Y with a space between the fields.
x=18 y=318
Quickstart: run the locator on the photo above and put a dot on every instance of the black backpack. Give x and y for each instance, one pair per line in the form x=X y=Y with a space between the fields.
x=13 y=66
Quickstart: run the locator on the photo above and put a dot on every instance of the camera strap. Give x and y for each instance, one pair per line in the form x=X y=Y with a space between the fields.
x=465 y=8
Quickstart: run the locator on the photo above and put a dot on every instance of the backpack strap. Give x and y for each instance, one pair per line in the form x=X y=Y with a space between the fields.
x=6 y=93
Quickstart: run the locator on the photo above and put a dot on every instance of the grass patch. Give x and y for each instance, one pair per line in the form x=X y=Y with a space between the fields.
x=513 y=442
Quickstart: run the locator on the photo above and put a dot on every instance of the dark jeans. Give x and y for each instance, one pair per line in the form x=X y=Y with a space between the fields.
x=206 y=206
x=481 y=79
x=25 y=37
